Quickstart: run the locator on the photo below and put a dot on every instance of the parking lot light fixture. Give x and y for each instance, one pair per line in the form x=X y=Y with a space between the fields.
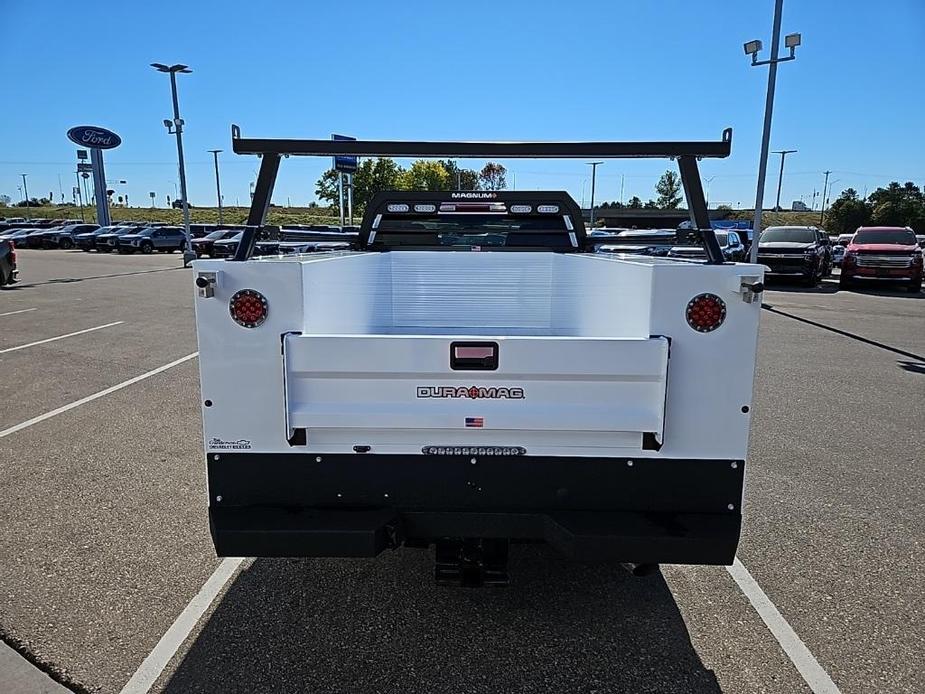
x=753 y=48
x=177 y=123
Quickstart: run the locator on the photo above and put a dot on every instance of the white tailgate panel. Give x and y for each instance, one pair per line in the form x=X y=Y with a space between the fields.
x=580 y=395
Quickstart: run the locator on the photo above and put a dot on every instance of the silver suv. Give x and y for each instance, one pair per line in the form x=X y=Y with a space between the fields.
x=149 y=239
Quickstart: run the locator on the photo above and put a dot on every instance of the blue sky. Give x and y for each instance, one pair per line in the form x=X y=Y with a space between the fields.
x=852 y=102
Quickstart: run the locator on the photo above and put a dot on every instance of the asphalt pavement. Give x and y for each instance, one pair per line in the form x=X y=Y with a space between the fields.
x=106 y=542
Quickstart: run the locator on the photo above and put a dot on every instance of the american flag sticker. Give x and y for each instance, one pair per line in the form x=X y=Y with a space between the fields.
x=475 y=422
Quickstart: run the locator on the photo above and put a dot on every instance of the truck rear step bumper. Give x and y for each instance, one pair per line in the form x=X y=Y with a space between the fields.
x=640 y=538
x=650 y=511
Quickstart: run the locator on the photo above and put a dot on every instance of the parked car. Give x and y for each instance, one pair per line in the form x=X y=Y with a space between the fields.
x=203 y=246
x=65 y=237
x=838 y=248
x=225 y=248
x=920 y=239
x=87 y=240
x=13 y=231
x=883 y=253
x=197 y=231
x=657 y=242
x=8 y=271
x=36 y=237
x=109 y=241
x=149 y=239
x=802 y=253
x=729 y=242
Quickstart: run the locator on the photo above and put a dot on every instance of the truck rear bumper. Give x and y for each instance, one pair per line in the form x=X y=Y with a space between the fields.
x=650 y=511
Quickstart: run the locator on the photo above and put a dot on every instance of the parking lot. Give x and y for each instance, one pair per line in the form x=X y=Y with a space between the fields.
x=106 y=539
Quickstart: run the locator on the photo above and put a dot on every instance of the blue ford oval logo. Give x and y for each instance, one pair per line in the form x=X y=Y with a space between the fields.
x=92 y=136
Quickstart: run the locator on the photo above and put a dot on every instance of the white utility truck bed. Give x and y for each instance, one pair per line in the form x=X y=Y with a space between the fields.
x=469 y=376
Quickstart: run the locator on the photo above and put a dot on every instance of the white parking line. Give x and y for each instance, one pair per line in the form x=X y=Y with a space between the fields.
x=804 y=661
x=13 y=313
x=90 y=398
x=152 y=666
x=59 y=337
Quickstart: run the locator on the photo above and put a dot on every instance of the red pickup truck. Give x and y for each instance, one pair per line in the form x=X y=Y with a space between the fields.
x=883 y=253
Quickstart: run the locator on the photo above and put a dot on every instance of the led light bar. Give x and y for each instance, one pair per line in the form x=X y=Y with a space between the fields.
x=397 y=207
x=547 y=209
x=473 y=207
x=425 y=208
x=521 y=209
x=473 y=450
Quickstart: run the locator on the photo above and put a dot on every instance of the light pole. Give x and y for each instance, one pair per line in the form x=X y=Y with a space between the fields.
x=177 y=127
x=593 y=165
x=826 y=195
x=709 y=182
x=218 y=185
x=80 y=196
x=25 y=193
x=780 y=179
x=752 y=48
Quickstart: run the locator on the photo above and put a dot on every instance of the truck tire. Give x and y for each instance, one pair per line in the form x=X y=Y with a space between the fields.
x=915 y=287
x=844 y=282
x=66 y=244
x=147 y=247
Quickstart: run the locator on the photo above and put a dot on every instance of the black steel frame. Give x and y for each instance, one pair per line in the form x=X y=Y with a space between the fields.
x=687 y=154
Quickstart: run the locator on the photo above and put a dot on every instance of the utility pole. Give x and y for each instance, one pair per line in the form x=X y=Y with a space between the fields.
x=780 y=179
x=218 y=185
x=824 y=186
x=593 y=165
x=752 y=48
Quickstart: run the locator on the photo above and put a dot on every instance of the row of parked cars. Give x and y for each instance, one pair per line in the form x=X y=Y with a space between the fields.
x=123 y=237
x=207 y=240
x=798 y=253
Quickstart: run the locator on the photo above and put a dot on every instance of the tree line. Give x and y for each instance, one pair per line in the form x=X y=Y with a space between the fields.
x=894 y=206
x=383 y=173
x=668 y=196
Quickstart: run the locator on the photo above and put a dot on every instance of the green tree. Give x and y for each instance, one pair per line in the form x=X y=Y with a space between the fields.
x=326 y=187
x=424 y=174
x=669 y=191
x=493 y=176
x=634 y=203
x=373 y=176
x=847 y=213
x=651 y=205
x=460 y=179
x=898 y=205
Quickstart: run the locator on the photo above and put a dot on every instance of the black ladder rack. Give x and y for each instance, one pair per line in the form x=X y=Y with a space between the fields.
x=687 y=154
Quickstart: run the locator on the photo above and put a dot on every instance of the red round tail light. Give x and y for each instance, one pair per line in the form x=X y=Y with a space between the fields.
x=248 y=308
x=706 y=312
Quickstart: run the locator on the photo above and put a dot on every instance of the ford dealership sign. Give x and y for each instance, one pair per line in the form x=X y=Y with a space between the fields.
x=91 y=136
